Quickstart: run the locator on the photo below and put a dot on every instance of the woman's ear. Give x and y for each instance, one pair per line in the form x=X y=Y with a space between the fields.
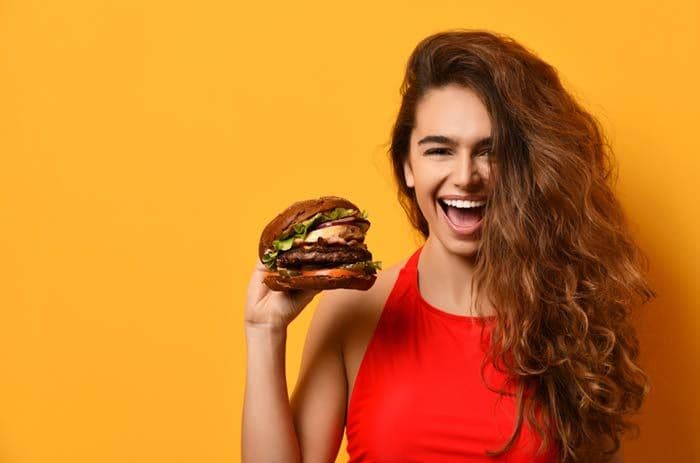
x=408 y=173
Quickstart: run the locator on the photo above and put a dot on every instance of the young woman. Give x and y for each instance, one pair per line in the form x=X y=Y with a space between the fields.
x=506 y=336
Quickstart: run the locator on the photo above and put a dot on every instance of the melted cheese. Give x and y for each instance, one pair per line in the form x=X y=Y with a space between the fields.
x=327 y=232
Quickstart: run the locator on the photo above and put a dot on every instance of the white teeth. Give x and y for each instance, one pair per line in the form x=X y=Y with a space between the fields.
x=463 y=204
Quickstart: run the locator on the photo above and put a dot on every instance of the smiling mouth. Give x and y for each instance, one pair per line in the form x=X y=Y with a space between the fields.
x=445 y=207
x=463 y=217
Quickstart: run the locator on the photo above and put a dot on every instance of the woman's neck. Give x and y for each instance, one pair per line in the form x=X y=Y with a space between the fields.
x=445 y=279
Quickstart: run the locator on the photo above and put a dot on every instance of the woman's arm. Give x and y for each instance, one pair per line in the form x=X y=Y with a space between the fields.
x=320 y=396
x=268 y=429
x=310 y=429
x=268 y=433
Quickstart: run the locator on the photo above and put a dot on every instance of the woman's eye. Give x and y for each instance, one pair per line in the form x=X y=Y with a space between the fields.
x=446 y=151
x=436 y=151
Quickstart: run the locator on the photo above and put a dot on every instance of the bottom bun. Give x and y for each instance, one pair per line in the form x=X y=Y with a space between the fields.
x=361 y=281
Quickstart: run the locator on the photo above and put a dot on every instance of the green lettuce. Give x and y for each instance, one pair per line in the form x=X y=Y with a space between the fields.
x=301 y=229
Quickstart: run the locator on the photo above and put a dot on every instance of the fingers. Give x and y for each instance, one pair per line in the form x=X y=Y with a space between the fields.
x=256 y=288
x=260 y=266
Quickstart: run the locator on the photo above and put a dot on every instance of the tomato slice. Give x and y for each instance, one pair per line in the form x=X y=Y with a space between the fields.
x=331 y=272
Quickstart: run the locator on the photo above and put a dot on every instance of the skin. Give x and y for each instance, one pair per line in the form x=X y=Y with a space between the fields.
x=435 y=169
x=311 y=428
x=345 y=320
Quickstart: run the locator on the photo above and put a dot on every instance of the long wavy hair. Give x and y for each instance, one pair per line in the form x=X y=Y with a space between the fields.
x=556 y=251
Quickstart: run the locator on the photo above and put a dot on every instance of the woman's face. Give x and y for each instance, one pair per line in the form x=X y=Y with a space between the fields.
x=449 y=160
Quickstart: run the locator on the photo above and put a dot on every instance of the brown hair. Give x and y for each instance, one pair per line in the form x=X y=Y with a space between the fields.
x=556 y=251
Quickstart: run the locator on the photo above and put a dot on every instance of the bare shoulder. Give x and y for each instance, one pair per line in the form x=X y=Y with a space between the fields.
x=355 y=315
x=349 y=307
x=320 y=398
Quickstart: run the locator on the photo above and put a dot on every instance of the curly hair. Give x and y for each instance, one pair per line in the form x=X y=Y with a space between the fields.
x=556 y=251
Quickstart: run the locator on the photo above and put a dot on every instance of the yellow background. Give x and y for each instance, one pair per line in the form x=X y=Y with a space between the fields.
x=144 y=145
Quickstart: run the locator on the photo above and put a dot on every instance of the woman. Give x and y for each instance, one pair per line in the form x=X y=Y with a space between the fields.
x=506 y=336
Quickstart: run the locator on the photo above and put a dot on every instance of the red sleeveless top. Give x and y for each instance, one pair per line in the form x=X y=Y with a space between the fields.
x=419 y=396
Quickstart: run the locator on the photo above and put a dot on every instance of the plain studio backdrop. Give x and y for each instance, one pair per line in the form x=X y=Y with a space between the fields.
x=144 y=145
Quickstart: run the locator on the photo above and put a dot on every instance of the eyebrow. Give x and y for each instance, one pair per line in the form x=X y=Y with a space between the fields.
x=448 y=141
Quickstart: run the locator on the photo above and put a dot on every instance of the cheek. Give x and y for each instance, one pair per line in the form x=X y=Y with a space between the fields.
x=488 y=171
x=425 y=184
x=429 y=173
x=426 y=190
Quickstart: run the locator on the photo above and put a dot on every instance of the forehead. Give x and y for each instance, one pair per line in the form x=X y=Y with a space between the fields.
x=453 y=111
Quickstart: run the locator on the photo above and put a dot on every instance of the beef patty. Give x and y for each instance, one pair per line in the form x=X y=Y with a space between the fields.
x=323 y=256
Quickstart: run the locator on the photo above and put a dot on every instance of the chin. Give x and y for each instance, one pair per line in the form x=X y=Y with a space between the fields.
x=465 y=247
x=462 y=248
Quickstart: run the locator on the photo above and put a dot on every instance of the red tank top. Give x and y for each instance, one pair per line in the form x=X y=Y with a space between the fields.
x=418 y=395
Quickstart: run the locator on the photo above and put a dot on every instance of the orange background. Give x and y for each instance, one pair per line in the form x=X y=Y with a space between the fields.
x=144 y=145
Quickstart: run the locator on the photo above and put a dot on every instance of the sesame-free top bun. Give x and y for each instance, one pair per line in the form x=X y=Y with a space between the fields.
x=298 y=212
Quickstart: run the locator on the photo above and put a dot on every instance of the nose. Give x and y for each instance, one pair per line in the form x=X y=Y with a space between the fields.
x=465 y=170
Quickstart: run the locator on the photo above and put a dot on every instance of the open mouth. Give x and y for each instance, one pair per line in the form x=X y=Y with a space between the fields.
x=463 y=217
x=443 y=205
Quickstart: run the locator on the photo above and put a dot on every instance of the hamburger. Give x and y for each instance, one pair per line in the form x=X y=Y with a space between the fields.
x=318 y=244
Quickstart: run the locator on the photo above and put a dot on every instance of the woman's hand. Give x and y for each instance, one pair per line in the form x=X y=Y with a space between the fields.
x=273 y=309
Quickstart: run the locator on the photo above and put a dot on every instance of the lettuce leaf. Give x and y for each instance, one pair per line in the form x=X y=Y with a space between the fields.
x=269 y=258
x=301 y=229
